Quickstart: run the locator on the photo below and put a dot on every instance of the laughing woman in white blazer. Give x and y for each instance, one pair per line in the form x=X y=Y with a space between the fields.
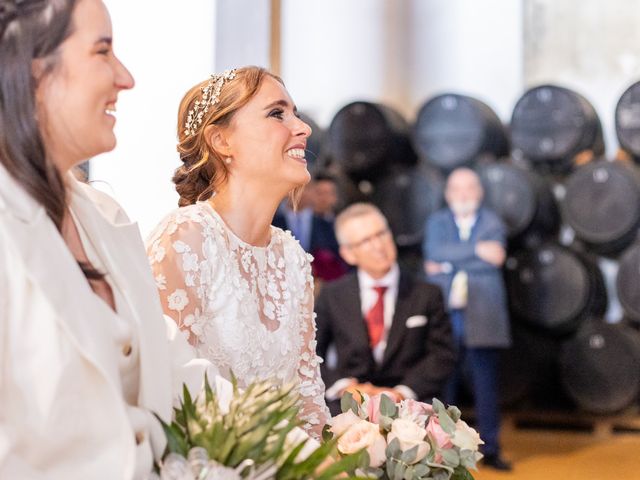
x=84 y=356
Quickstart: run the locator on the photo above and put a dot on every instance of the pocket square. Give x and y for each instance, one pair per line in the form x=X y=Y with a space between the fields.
x=416 y=321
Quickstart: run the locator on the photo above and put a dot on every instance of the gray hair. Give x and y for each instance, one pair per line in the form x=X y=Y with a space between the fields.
x=355 y=210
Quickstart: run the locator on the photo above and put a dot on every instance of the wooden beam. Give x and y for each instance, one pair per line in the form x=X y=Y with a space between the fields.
x=275 y=36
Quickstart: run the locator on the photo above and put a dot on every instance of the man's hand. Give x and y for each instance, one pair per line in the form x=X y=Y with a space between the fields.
x=491 y=252
x=433 y=268
x=371 y=390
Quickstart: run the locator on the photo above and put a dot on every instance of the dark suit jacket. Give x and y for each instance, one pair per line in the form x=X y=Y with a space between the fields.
x=322 y=234
x=327 y=264
x=420 y=358
x=486 y=315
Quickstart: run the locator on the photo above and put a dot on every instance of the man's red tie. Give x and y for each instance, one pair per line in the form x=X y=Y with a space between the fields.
x=375 y=318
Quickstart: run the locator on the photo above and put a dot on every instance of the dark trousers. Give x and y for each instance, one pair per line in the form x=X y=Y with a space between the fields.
x=482 y=364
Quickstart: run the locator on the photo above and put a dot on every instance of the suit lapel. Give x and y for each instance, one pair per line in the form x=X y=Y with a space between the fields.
x=55 y=273
x=398 y=328
x=122 y=251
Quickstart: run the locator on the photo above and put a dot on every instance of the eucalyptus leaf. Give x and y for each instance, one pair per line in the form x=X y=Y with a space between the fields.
x=451 y=457
x=409 y=456
x=393 y=449
x=388 y=407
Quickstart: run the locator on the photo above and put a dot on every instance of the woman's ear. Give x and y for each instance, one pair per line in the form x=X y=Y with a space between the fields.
x=217 y=140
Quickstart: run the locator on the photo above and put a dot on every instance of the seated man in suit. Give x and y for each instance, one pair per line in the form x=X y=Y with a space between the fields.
x=390 y=332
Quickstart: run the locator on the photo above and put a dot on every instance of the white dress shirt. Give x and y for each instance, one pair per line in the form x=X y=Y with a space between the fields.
x=369 y=297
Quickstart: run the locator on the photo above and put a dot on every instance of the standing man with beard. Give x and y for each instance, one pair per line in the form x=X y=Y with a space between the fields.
x=464 y=250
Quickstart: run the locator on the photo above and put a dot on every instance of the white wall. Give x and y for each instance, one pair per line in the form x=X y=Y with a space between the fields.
x=168 y=46
x=591 y=46
x=401 y=52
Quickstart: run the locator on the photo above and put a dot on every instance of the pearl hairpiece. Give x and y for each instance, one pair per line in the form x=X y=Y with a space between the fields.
x=210 y=96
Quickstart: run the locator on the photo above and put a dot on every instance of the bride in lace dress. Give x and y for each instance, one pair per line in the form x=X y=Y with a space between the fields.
x=240 y=288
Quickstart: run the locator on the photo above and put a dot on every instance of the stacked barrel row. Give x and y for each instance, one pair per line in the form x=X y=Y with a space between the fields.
x=568 y=211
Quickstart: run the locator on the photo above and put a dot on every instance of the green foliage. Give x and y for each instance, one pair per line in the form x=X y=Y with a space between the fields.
x=255 y=427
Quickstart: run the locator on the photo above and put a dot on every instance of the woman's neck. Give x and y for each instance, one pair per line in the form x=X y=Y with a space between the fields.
x=248 y=210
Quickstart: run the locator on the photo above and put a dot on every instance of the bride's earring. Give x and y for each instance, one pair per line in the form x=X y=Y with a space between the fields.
x=228 y=160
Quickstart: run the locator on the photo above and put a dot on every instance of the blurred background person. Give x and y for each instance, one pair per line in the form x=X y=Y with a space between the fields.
x=314 y=231
x=325 y=196
x=464 y=250
x=388 y=331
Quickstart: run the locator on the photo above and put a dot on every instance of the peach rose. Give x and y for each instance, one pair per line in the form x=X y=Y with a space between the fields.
x=409 y=435
x=341 y=423
x=364 y=435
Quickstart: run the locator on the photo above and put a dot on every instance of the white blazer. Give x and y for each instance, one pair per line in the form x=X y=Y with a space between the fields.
x=62 y=413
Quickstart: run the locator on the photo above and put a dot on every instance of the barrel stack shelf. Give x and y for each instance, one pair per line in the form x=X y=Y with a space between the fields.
x=572 y=219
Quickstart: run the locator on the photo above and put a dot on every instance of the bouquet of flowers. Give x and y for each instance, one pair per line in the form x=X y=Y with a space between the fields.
x=406 y=441
x=230 y=434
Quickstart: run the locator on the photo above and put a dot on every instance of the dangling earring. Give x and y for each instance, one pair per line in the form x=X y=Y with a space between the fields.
x=228 y=160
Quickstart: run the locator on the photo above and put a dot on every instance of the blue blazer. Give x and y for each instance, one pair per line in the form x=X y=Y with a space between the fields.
x=486 y=314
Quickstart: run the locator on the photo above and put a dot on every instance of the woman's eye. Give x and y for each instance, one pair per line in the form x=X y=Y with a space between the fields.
x=279 y=114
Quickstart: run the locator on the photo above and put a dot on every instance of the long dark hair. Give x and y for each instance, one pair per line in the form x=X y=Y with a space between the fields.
x=32 y=30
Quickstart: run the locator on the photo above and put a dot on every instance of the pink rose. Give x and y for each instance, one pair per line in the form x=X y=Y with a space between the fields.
x=365 y=435
x=341 y=423
x=416 y=411
x=373 y=408
x=441 y=438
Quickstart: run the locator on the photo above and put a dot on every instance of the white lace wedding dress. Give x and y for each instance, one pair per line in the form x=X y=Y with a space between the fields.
x=246 y=309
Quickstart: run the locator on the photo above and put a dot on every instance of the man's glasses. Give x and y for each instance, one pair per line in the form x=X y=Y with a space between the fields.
x=367 y=241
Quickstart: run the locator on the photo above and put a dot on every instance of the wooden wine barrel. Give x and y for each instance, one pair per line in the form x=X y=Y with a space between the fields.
x=602 y=205
x=365 y=139
x=550 y=125
x=600 y=367
x=523 y=199
x=407 y=196
x=529 y=373
x=454 y=130
x=628 y=283
x=628 y=121
x=314 y=142
x=554 y=288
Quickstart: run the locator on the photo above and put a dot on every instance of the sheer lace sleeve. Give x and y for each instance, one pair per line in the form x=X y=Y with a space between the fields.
x=175 y=251
x=314 y=412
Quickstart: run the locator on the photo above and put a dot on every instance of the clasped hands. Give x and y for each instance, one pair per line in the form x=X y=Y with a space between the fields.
x=369 y=389
x=488 y=250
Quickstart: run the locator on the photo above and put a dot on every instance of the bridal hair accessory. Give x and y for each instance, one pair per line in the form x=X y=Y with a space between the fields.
x=210 y=96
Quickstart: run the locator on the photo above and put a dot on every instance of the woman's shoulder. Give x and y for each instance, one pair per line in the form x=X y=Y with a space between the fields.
x=188 y=221
x=291 y=247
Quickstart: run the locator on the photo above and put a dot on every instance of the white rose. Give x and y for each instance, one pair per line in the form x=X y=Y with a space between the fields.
x=409 y=435
x=178 y=300
x=465 y=437
x=342 y=422
x=363 y=434
x=296 y=437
